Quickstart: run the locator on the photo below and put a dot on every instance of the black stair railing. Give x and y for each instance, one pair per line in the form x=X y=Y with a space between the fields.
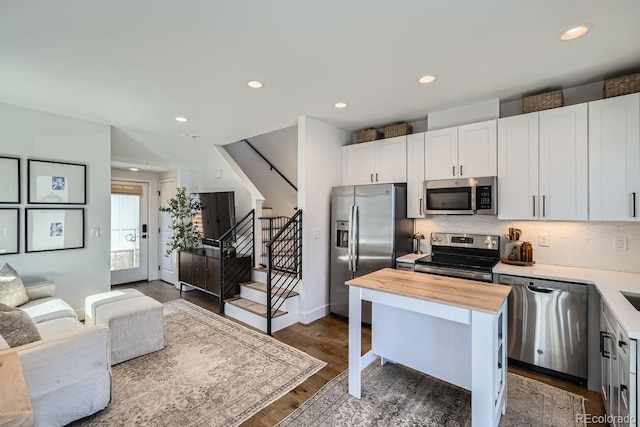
x=284 y=268
x=236 y=256
x=270 y=227
x=271 y=166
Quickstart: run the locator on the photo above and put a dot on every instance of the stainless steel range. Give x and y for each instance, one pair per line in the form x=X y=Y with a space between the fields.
x=468 y=256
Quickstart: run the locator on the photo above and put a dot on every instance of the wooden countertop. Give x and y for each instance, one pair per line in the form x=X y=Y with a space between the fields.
x=470 y=294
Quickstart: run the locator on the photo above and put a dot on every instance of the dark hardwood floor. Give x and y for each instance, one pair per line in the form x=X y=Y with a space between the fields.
x=327 y=340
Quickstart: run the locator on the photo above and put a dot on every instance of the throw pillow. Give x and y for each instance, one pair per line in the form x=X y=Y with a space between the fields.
x=12 y=290
x=16 y=327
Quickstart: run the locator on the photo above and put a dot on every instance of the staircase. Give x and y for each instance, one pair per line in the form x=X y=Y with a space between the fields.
x=270 y=311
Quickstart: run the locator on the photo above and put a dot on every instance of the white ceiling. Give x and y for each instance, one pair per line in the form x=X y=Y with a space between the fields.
x=138 y=64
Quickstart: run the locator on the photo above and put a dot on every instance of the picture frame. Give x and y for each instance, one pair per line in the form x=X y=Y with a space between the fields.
x=59 y=183
x=54 y=229
x=10 y=179
x=9 y=231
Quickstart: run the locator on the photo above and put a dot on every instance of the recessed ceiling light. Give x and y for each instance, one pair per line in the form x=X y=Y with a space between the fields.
x=426 y=79
x=341 y=105
x=134 y=169
x=575 y=32
x=181 y=119
x=254 y=84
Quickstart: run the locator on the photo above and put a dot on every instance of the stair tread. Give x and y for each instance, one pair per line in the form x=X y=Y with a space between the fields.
x=262 y=287
x=253 y=307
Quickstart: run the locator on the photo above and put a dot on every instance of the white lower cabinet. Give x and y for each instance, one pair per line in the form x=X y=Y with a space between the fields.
x=618 y=371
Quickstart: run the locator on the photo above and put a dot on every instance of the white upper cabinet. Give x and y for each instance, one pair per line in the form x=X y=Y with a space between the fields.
x=542 y=165
x=466 y=151
x=377 y=162
x=357 y=163
x=518 y=167
x=614 y=158
x=478 y=149
x=415 y=175
x=441 y=153
x=563 y=163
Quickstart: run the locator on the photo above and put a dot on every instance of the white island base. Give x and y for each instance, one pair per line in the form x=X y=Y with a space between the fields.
x=460 y=345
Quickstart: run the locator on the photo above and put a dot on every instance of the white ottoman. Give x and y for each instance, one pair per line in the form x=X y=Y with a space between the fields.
x=136 y=322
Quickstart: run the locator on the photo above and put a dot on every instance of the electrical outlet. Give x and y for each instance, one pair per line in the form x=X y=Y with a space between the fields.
x=316 y=233
x=543 y=239
x=620 y=243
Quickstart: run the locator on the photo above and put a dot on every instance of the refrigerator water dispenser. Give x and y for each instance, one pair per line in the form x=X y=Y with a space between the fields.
x=342 y=234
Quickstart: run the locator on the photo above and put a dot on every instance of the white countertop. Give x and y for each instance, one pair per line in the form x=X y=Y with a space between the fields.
x=610 y=285
x=410 y=258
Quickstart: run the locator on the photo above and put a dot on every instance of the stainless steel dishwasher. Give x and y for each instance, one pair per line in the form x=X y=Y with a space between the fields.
x=548 y=324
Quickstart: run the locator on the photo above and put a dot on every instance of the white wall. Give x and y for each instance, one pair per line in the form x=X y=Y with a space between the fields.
x=31 y=134
x=320 y=169
x=572 y=243
x=281 y=148
x=153 y=214
x=216 y=174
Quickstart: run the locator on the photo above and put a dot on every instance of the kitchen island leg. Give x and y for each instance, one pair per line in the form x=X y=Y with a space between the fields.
x=355 y=344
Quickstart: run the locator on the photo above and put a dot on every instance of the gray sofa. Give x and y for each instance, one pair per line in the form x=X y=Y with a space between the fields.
x=68 y=371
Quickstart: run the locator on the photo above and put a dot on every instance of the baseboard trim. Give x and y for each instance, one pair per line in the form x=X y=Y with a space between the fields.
x=313 y=315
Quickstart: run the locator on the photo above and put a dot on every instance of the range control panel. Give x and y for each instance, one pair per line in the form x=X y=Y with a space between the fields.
x=463 y=240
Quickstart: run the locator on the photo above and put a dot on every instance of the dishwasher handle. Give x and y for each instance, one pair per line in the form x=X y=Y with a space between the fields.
x=540 y=289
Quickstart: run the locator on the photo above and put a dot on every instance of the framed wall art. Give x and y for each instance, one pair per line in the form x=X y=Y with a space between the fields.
x=9 y=226
x=54 y=229
x=9 y=179
x=56 y=182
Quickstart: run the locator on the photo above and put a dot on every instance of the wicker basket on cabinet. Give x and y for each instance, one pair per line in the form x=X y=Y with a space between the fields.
x=622 y=85
x=366 y=135
x=398 y=129
x=543 y=101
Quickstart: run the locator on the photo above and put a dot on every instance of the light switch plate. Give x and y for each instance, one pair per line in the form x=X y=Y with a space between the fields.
x=543 y=239
x=316 y=233
x=95 y=232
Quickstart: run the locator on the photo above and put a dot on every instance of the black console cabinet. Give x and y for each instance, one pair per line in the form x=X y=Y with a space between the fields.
x=201 y=269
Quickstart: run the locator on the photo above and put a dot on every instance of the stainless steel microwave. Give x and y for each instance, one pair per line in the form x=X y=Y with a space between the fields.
x=464 y=196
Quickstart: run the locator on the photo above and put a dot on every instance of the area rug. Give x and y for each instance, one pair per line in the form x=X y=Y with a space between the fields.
x=212 y=372
x=393 y=395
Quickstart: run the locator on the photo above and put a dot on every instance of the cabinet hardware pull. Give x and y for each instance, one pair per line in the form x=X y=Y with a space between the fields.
x=454 y=170
x=534 y=206
x=603 y=352
x=371 y=177
x=461 y=170
x=633 y=204
x=420 y=206
x=544 y=205
x=376 y=176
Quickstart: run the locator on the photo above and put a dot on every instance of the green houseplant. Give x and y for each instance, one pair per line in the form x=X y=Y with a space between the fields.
x=181 y=209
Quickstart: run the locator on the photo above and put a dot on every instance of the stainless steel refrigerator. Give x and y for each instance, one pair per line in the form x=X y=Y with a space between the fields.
x=369 y=230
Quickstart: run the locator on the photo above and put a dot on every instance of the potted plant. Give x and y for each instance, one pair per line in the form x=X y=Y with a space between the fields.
x=181 y=209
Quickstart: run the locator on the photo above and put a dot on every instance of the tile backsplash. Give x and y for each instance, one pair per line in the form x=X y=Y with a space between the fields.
x=577 y=244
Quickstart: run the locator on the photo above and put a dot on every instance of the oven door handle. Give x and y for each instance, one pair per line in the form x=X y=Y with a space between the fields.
x=464 y=274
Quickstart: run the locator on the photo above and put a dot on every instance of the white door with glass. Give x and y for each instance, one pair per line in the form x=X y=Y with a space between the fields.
x=129 y=231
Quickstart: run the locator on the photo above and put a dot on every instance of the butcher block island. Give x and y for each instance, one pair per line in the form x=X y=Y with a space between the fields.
x=449 y=328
